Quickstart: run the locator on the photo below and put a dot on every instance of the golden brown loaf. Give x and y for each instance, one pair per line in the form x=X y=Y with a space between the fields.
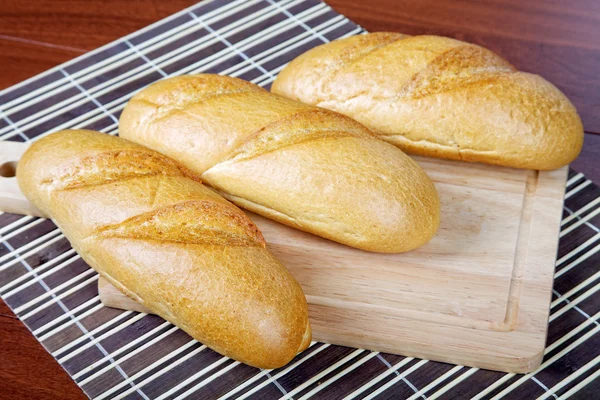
x=439 y=97
x=150 y=227
x=306 y=167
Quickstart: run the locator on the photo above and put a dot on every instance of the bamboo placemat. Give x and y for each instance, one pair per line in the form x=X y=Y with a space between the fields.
x=121 y=354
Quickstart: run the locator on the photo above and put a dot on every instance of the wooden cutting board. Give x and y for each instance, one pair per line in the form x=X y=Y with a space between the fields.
x=478 y=294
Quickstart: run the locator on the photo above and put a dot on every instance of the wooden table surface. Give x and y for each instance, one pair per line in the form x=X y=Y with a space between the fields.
x=557 y=39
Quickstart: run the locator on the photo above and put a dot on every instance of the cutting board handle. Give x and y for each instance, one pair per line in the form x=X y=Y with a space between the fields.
x=11 y=198
x=13 y=201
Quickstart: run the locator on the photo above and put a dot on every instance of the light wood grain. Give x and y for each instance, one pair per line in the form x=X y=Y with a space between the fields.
x=478 y=294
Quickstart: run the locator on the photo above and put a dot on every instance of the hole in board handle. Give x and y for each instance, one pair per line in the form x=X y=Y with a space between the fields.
x=8 y=169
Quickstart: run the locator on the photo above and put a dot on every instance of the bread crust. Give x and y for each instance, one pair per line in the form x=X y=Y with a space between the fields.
x=152 y=229
x=304 y=166
x=439 y=97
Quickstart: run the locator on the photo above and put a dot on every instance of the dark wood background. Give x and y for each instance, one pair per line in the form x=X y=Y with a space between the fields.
x=557 y=39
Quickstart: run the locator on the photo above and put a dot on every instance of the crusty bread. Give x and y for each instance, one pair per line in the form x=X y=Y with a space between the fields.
x=306 y=167
x=149 y=226
x=439 y=97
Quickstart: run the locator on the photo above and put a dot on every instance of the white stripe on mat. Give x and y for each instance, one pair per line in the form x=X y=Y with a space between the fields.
x=95 y=340
x=321 y=374
x=38 y=276
x=40 y=268
x=300 y=22
x=73 y=320
x=280 y=49
x=66 y=315
x=574 y=179
x=208 y=380
x=21 y=229
x=98 y=117
x=453 y=383
x=21 y=258
x=582 y=221
x=13 y=126
x=16 y=252
x=88 y=96
x=493 y=386
x=95 y=331
x=540 y=383
x=580 y=385
x=575 y=289
x=109 y=127
x=150 y=367
x=398 y=378
x=583 y=209
x=127 y=356
x=52 y=291
x=575 y=263
x=378 y=378
x=578 y=249
x=578 y=188
x=271 y=378
x=406 y=381
x=59 y=297
x=578 y=309
x=573 y=303
x=339 y=375
x=192 y=378
x=227 y=43
x=93 y=116
x=580 y=371
x=14 y=224
x=436 y=382
x=148 y=61
x=274 y=51
x=573 y=332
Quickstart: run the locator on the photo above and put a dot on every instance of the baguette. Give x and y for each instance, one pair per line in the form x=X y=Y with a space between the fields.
x=439 y=97
x=149 y=226
x=306 y=167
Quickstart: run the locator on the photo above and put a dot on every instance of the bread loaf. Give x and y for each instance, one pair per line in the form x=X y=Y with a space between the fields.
x=306 y=167
x=439 y=97
x=149 y=226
